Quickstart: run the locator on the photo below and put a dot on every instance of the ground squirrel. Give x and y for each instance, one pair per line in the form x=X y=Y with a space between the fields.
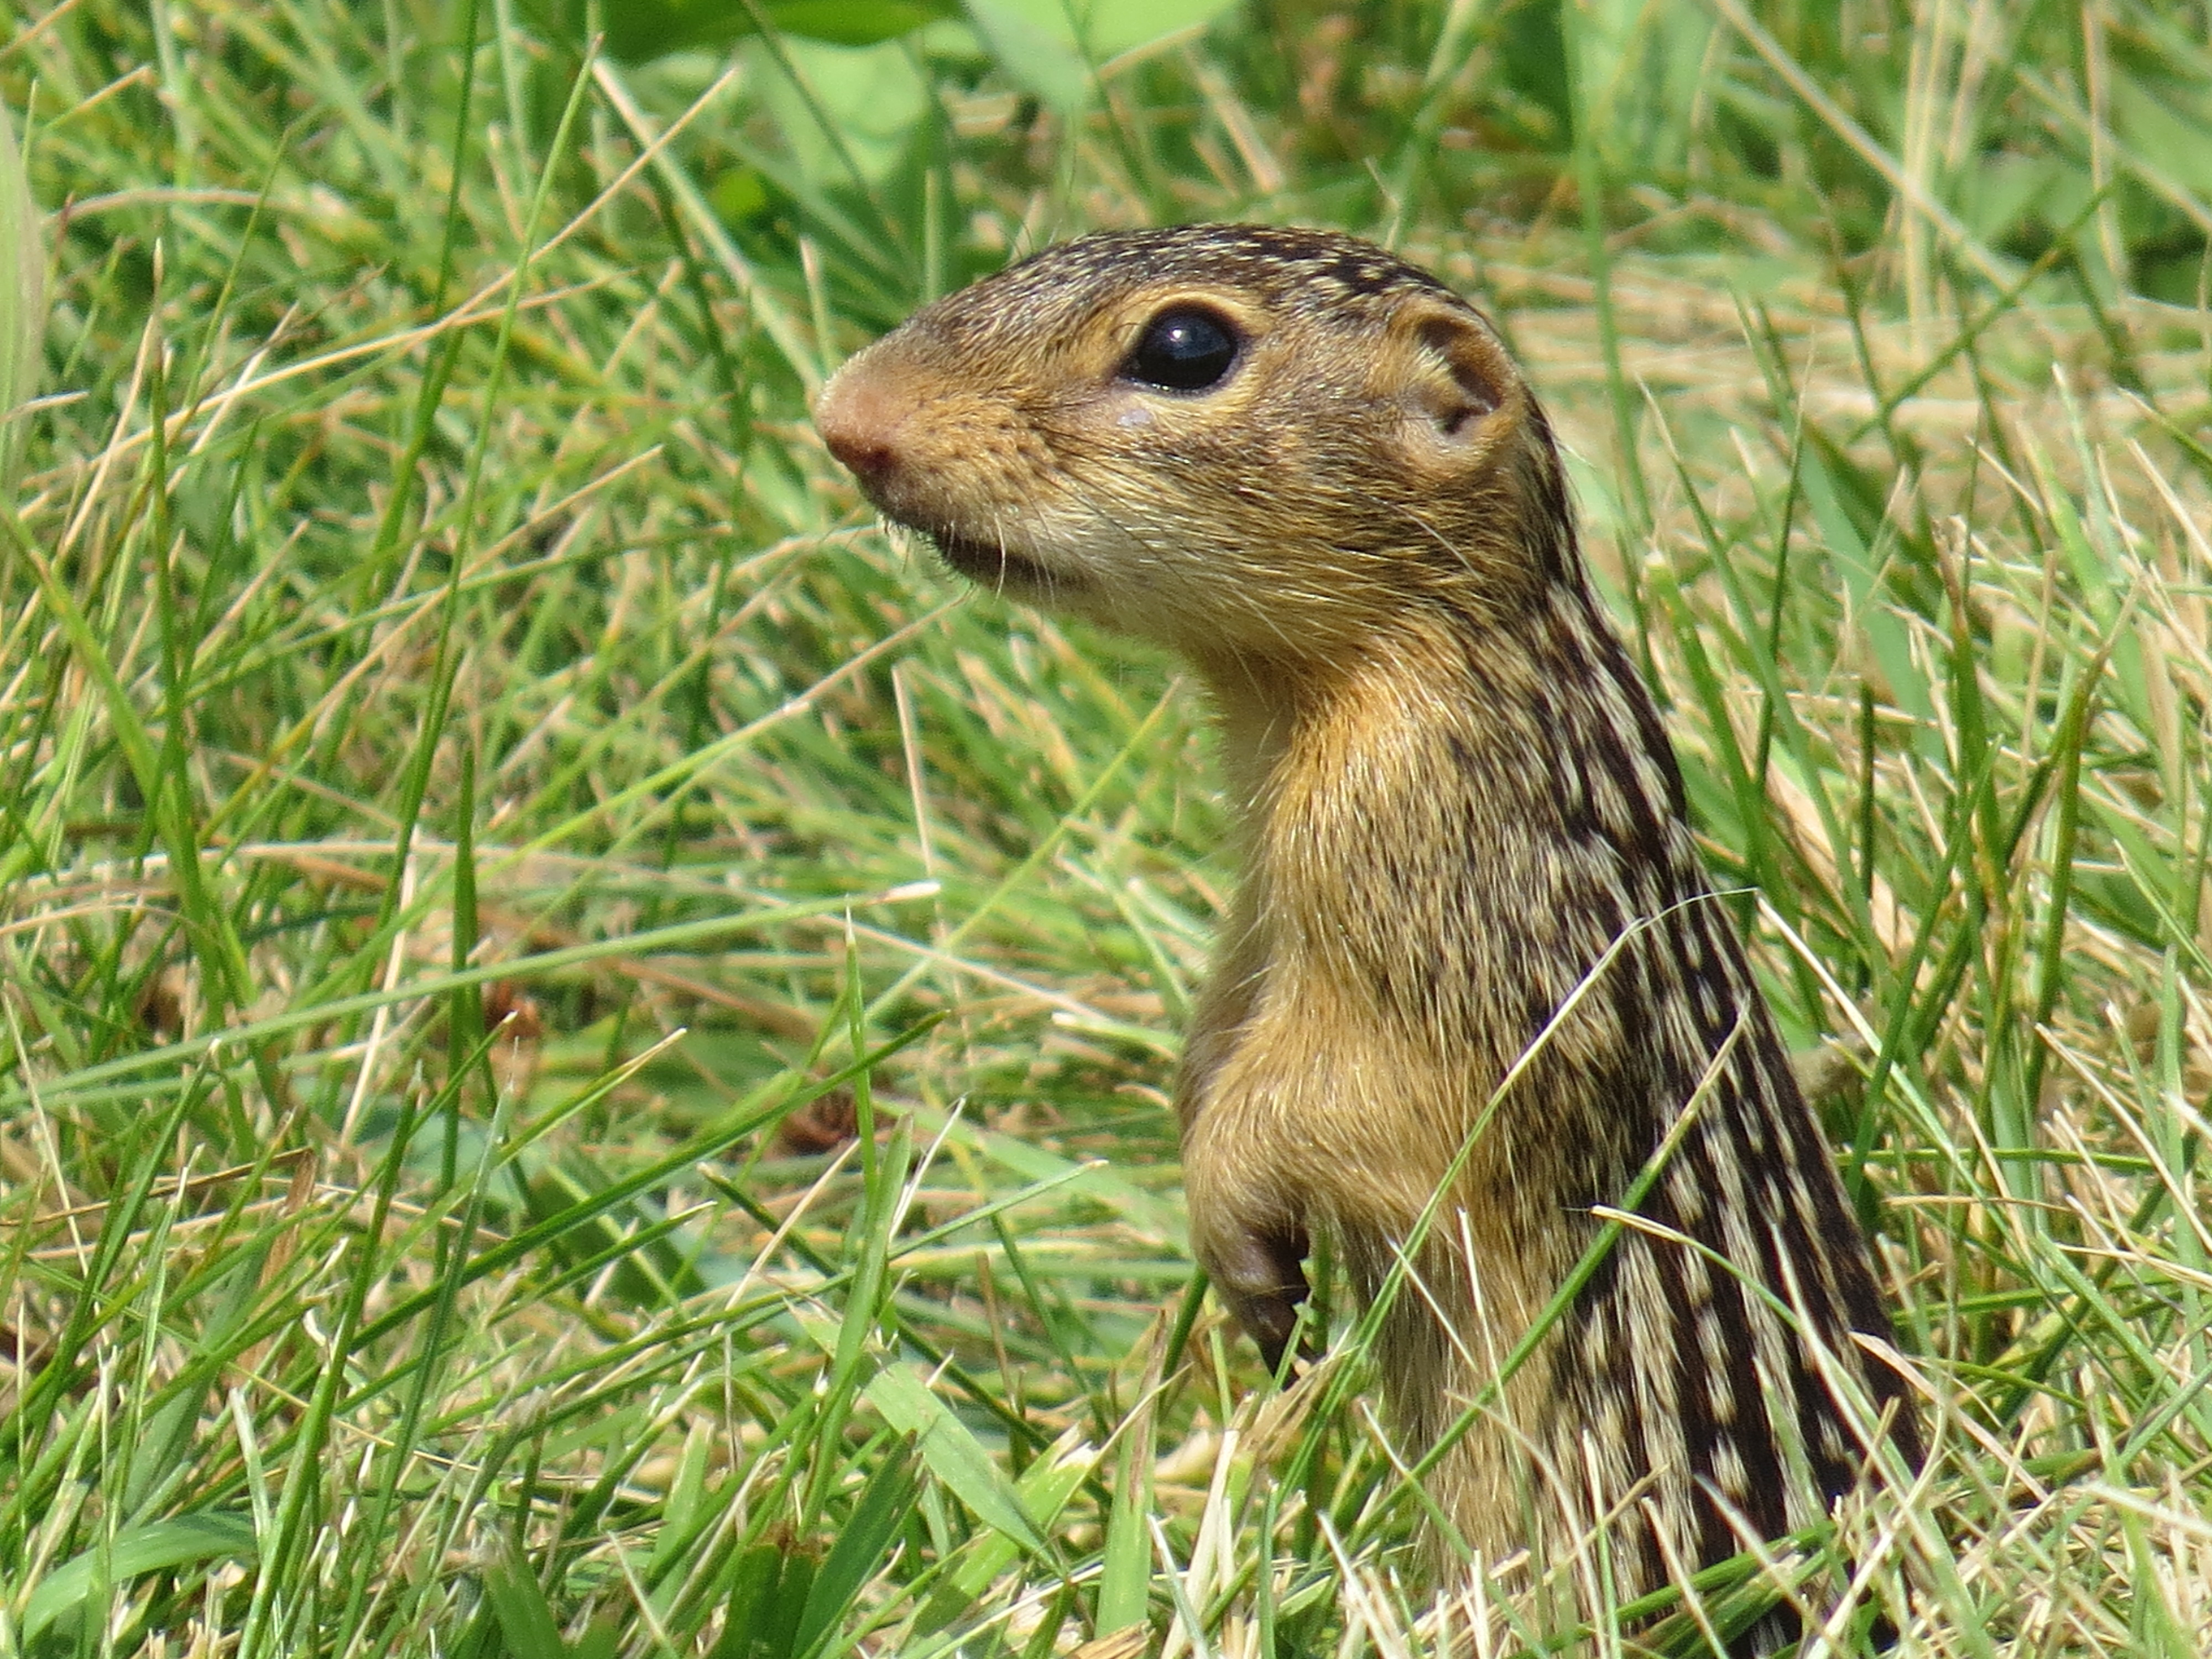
x=1317 y=473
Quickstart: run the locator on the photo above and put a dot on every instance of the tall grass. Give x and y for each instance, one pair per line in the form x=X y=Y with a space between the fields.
x=585 y=1036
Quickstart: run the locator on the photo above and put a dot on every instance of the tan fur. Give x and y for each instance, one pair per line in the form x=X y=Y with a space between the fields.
x=1454 y=799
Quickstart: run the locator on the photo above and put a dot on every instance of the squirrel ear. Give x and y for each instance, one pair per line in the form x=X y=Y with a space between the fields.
x=1464 y=376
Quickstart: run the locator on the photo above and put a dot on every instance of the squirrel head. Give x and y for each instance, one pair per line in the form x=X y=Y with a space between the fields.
x=1237 y=441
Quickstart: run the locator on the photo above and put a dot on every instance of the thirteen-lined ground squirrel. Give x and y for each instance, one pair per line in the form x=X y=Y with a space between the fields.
x=1472 y=913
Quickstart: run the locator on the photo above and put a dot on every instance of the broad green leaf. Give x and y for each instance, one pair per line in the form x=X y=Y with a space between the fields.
x=849 y=116
x=1036 y=57
x=639 y=30
x=768 y=1592
x=157 y=1546
x=1050 y=48
x=1126 y=1576
x=1044 y=1490
x=853 y=1559
x=525 y=1622
x=1107 y=28
x=953 y=1456
x=858 y=22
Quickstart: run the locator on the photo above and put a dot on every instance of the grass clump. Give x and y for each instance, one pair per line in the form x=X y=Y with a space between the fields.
x=585 y=1038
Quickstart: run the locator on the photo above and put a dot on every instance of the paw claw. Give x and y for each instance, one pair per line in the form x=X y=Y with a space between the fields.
x=1260 y=1277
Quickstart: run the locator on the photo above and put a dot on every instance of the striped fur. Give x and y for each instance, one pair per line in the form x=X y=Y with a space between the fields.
x=1459 y=815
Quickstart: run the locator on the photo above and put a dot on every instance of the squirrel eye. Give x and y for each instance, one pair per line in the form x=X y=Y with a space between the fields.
x=1182 y=350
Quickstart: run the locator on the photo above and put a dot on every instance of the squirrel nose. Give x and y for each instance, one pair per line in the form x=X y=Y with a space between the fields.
x=858 y=418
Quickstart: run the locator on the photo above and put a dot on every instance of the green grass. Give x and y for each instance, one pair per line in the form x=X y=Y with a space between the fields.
x=481 y=806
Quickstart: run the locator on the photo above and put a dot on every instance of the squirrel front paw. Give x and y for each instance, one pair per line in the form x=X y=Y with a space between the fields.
x=1257 y=1271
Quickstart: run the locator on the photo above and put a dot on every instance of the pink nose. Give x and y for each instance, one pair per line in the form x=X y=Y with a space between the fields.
x=859 y=417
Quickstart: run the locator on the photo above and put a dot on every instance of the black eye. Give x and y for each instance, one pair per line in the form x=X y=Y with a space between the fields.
x=1182 y=350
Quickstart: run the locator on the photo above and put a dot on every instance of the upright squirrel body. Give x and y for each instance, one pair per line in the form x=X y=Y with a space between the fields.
x=1473 y=921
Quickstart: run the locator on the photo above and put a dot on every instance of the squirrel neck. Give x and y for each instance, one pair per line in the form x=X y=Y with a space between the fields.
x=1502 y=786
x=1443 y=703
x=1294 y=729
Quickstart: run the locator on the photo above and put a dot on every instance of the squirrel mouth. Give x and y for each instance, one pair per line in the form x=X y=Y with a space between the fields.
x=991 y=565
